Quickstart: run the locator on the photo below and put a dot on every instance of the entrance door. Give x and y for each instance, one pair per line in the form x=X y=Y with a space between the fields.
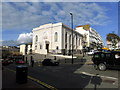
x=47 y=47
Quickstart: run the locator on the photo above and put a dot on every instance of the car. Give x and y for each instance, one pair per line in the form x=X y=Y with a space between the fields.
x=19 y=61
x=104 y=60
x=6 y=62
x=91 y=52
x=50 y=62
x=10 y=59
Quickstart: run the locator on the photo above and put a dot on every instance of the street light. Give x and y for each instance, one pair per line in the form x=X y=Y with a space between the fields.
x=72 y=34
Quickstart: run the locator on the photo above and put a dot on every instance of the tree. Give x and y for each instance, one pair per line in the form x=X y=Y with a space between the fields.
x=111 y=37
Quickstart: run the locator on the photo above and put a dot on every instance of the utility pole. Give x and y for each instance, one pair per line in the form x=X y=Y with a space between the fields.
x=72 y=34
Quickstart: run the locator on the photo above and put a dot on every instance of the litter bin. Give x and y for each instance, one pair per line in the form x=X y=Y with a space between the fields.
x=21 y=74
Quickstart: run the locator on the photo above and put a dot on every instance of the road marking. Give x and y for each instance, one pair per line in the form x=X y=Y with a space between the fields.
x=38 y=81
x=42 y=83
x=98 y=75
x=62 y=56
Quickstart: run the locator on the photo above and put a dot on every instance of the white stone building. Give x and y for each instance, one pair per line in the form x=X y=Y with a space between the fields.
x=110 y=45
x=91 y=38
x=22 y=49
x=26 y=49
x=55 y=38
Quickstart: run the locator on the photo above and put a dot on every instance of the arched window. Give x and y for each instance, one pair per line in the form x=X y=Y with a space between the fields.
x=56 y=37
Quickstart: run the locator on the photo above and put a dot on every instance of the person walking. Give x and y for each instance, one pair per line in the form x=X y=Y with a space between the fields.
x=32 y=62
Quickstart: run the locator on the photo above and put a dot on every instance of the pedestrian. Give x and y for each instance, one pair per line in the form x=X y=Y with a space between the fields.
x=32 y=62
x=83 y=53
x=54 y=57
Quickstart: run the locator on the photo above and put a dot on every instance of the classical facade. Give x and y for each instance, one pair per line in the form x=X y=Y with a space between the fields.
x=91 y=38
x=56 y=38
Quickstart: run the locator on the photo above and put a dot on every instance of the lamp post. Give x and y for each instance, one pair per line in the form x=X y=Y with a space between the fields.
x=72 y=34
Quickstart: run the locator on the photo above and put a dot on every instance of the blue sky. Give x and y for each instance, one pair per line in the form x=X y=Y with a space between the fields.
x=22 y=17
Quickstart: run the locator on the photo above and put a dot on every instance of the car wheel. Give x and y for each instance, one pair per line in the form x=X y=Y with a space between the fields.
x=96 y=67
x=102 y=67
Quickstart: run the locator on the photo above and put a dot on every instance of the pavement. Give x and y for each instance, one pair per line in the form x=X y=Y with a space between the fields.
x=62 y=56
x=65 y=59
x=9 y=81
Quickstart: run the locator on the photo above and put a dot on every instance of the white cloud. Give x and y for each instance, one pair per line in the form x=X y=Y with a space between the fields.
x=24 y=38
x=30 y=15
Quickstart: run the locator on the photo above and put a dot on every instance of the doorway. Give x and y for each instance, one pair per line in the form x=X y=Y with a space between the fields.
x=47 y=47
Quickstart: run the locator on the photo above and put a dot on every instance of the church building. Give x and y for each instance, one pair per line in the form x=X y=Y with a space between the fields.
x=56 y=38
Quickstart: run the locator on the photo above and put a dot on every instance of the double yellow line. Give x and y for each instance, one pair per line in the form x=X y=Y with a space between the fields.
x=38 y=81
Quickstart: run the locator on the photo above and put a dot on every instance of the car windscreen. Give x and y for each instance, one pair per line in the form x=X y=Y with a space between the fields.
x=96 y=55
x=108 y=55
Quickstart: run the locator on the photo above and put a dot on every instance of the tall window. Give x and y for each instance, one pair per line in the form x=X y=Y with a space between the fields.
x=66 y=40
x=40 y=46
x=36 y=39
x=56 y=37
x=66 y=37
x=70 y=42
x=79 y=41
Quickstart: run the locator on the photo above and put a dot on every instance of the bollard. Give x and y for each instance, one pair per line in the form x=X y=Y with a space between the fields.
x=65 y=60
x=54 y=57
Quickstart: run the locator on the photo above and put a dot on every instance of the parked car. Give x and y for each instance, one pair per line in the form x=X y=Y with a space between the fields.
x=50 y=62
x=10 y=59
x=91 y=52
x=19 y=61
x=6 y=62
x=104 y=60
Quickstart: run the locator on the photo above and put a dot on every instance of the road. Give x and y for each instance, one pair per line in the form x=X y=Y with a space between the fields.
x=73 y=76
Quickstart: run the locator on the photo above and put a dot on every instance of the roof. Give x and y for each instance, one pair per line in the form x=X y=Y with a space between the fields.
x=86 y=27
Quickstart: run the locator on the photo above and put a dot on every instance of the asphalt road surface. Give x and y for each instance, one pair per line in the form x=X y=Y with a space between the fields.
x=73 y=76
